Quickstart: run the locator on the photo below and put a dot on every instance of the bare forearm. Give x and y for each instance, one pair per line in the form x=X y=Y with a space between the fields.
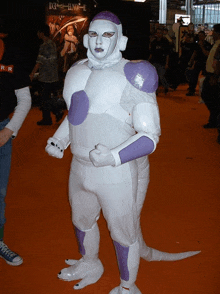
x=35 y=69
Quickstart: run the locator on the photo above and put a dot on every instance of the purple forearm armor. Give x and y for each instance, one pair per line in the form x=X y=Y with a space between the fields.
x=143 y=146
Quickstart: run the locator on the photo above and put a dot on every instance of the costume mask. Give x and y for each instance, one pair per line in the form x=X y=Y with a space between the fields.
x=103 y=37
x=104 y=40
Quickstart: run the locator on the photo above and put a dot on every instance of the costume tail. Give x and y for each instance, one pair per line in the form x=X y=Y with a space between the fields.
x=151 y=254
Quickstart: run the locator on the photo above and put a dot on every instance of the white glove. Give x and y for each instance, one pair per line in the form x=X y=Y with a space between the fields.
x=101 y=156
x=55 y=147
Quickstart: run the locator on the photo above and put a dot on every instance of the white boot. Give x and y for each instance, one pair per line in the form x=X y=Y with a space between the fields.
x=119 y=290
x=89 y=268
x=128 y=263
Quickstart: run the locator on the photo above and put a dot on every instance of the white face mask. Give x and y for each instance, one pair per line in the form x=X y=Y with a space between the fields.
x=103 y=36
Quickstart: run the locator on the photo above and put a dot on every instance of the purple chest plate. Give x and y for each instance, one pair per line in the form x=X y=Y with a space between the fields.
x=79 y=108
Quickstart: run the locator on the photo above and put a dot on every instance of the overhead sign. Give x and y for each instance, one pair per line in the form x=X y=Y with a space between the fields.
x=185 y=19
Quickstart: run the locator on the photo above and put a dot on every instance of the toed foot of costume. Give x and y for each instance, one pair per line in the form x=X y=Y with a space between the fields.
x=89 y=268
x=88 y=271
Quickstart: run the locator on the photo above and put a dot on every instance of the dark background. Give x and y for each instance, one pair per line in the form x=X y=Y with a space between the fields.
x=135 y=18
x=21 y=19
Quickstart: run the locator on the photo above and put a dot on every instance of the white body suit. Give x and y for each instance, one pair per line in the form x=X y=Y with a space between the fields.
x=105 y=116
x=112 y=125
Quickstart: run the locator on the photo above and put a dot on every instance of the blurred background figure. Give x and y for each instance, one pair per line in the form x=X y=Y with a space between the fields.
x=209 y=38
x=167 y=36
x=197 y=62
x=191 y=31
x=47 y=66
x=210 y=88
x=175 y=29
x=187 y=49
x=159 y=56
x=217 y=72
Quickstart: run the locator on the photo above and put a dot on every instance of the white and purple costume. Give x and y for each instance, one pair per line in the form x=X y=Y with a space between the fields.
x=112 y=125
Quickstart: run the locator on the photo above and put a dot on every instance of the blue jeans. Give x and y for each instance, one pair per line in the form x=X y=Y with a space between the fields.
x=5 y=166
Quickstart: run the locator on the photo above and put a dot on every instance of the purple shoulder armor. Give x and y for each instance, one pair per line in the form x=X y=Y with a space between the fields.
x=142 y=75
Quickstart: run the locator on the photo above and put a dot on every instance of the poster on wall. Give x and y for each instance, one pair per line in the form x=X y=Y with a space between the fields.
x=68 y=23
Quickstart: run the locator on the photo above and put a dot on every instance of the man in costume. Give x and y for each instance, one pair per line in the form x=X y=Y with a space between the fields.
x=112 y=125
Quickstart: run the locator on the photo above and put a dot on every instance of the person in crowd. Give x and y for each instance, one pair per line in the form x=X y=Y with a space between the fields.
x=216 y=65
x=15 y=102
x=187 y=49
x=176 y=27
x=167 y=36
x=210 y=89
x=47 y=65
x=191 y=31
x=197 y=62
x=209 y=37
x=159 y=57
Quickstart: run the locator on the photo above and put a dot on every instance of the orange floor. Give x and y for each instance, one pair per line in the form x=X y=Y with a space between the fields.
x=181 y=211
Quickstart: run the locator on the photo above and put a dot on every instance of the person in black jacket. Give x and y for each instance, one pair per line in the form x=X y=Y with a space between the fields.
x=159 y=56
x=197 y=62
x=187 y=49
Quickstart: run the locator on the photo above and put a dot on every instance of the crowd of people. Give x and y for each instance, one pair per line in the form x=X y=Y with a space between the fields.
x=196 y=63
x=188 y=59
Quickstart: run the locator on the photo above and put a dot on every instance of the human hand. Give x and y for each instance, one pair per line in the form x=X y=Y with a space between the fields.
x=101 y=156
x=5 y=135
x=31 y=76
x=55 y=148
